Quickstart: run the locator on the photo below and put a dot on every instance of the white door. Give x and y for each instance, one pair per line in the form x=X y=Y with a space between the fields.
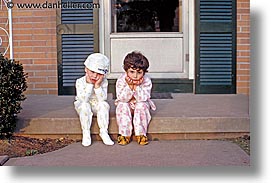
x=156 y=28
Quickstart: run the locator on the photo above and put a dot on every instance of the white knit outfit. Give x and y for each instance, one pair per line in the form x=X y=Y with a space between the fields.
x=90 y=101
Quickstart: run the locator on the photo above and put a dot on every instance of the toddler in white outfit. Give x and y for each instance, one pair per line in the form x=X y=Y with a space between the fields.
x=91 y=98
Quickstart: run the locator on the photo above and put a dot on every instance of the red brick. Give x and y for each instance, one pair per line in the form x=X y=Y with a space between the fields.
x=36 y=92
x=44 y=13
x=37 y=79
x=53 y=92
x=44 y=49
x=243 y=35
x=45 y=61
x=244 y=66
x=243 y=23
x=22 y=37
x=22 y=49
x=243 y=47
x=243 y=78
x=42 y=25
x=22 y=32
x=245 y=17
x=45 y=73
x=243 y=84
x=243 y=90
x=33 y=43
x=243 y=59
x=22 y=13
x=35 y=67
x=52 y=79
x=243 y=72
x=245 y=29
x=26 y=61
x=243 y=41
x=243 y=11
x=46 y=85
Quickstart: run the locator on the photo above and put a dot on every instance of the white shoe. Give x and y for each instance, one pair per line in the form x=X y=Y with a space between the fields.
x=86 y=138
x=106 y=139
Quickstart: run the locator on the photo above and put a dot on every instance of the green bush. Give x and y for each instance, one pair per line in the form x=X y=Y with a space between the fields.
x=12 y=85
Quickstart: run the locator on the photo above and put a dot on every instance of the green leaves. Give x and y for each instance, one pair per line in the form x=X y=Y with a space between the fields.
x=12 y=85
x=31 y=152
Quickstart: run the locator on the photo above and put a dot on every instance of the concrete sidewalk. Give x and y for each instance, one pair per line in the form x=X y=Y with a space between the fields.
x=156 y=154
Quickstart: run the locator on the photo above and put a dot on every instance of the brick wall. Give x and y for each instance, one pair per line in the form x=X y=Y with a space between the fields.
x=243 y=46
x=34 y=35
x=35 y=46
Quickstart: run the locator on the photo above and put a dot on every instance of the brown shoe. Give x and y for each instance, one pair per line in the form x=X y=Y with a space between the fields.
x=122 y=140
x=142 y=140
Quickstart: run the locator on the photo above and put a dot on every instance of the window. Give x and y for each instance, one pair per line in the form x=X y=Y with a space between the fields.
x=145 y=16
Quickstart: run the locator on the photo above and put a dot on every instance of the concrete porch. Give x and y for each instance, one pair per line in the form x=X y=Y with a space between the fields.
x=186 y=116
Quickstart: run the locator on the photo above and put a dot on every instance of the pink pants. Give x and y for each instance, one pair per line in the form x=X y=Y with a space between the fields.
x=141 y=118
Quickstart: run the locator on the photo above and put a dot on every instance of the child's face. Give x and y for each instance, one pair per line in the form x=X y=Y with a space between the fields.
x=92 y=76
x=135 y=74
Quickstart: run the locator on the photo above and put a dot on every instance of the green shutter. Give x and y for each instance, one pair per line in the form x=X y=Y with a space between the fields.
x=216 y=46
x=77 y=39
x=75 y=49
x=77 y=15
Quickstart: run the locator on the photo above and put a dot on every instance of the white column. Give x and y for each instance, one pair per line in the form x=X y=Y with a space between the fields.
x=10 y=31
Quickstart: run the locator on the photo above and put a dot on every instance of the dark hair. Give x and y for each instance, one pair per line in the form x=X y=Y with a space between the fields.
x=136 y=60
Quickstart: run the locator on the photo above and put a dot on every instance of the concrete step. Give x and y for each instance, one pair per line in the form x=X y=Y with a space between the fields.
x=186 y=116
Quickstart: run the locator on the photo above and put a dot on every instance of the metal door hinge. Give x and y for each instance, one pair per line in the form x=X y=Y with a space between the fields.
x=187 y=57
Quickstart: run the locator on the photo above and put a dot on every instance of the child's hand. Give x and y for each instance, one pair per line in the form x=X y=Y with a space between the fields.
x=132 y=103
x=133 y=100
x=130 y=83
x=135 y=82
x=128 y=80
x=99 y=81
x=138 y=82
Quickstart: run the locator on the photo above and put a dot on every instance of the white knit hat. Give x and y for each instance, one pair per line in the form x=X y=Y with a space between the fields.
x=97 y=62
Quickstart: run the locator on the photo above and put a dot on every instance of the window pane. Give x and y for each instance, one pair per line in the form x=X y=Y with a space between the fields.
x=145 y=16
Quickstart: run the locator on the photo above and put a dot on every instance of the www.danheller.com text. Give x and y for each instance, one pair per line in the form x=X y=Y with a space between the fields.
x=55 y=5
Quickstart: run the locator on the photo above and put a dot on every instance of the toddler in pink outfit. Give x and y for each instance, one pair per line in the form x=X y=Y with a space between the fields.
x=133 y=91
